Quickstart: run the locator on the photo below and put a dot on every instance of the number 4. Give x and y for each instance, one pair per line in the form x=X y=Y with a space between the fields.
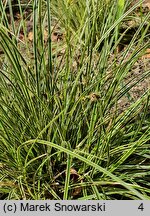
x=141 y=207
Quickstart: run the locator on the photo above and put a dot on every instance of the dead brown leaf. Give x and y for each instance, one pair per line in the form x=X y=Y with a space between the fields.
x=30 y=36
x=146 y=55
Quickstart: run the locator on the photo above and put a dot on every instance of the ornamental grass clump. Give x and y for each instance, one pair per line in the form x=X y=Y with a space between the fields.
x=65 y=132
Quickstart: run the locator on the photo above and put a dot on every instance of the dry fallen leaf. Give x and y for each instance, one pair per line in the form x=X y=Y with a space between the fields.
x=75 y=176
x=147 y=54
x=146 y=3
x=93 y=97
x=45 y=35
x=30 y=36
x=56 y=37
